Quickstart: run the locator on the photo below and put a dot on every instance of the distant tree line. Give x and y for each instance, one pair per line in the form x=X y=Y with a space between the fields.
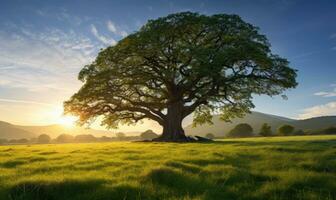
x=83 y=138
x=240 y=130
x=246 y=130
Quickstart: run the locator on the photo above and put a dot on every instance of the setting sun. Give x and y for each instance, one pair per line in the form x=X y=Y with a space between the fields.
x=67 y=121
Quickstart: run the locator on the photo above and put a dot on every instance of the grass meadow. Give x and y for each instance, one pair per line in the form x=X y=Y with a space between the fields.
x=253 y=168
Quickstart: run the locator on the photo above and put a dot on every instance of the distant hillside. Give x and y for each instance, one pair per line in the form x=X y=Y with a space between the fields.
x=315 y=123
x=256 y=119
x=219 y=128
x=9 y=131
x=55 y=130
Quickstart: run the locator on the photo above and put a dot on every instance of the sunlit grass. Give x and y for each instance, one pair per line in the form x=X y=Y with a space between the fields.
x=253 y=168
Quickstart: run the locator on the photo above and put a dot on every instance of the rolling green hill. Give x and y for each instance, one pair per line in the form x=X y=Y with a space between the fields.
x=219 y=128
x=9 y=131
x=273 y=168
x=256 y=119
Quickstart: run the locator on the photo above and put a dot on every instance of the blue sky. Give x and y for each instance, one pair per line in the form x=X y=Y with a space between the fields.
x=44 y=44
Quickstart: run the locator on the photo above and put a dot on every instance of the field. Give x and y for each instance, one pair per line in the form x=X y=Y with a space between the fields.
x=253 y=168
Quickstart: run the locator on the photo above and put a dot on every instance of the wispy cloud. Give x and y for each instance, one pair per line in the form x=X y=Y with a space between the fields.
x=61 y=14
x=333 y=36
x=25 y=102
x=319 y=110
x=113 y=28
x=101 y=38
x=47 y=60
x=327 y=93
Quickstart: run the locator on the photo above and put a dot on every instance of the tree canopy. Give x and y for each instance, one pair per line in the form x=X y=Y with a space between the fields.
x=44 y=138
x=241 y=130
x=177 y=65
x=265 y=130
x=148 y=135
x=286 y=130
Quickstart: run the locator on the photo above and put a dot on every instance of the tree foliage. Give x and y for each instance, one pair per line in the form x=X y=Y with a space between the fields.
x=65 y=138
x=241 y=130
x=44 y=138
x=286 y=130
x=180 y=64
x=120 y=135
x=85 y=138
x=265 y=130
x=148 y=135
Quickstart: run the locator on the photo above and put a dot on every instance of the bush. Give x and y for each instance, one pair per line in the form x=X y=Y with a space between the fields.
x=44 y=138
x=85 y=138
x=121 y=136
x=265 y=130
x=285 y=130
x=148 y=135
x=105 y=139
x=241 y=130
x=210 y=136
x=65 y=138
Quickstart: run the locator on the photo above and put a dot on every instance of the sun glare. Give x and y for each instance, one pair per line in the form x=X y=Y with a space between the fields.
x=67 y=121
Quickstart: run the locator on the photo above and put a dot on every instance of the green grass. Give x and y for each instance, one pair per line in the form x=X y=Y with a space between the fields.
x=254 y=168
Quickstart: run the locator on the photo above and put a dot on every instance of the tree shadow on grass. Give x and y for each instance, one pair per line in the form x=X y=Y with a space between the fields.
x=72 y=190
x=296 y=146
x=13 y=163
x=52 y=190
x=181 y=185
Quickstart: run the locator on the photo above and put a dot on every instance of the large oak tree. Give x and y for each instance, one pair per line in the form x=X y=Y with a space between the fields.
x=177 y=65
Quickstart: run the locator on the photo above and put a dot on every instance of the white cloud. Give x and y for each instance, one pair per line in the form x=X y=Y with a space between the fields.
x=101 y=38
x=319 y=110
x=112 y=27
x=327 y=94
x=48 y=60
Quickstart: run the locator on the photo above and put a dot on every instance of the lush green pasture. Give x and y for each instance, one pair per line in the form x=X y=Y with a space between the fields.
x=255 y=168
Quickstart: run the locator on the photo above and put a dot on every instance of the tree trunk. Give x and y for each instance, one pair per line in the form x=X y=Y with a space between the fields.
x=172 y=128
